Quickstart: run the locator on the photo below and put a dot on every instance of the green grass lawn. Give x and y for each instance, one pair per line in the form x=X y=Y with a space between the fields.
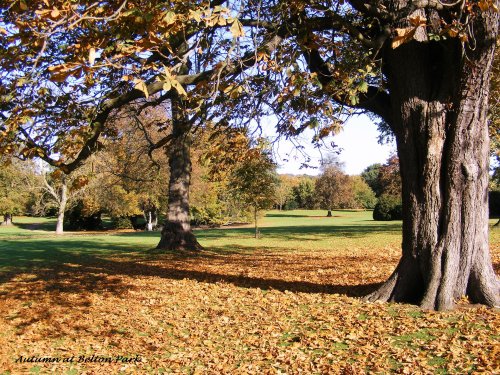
x=280 y=303
x=31 y=240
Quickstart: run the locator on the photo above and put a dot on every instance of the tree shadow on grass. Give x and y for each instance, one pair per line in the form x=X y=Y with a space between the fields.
x=63 y=275
x=55 y=286
x=309 y=232
x=61 y=268
x=47 y=226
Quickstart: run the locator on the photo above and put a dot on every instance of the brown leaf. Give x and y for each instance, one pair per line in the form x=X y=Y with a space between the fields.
x=403 y=36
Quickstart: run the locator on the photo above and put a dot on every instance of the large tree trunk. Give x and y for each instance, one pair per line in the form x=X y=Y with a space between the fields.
x=177 y=233
x=63 y=200
x=439 y=107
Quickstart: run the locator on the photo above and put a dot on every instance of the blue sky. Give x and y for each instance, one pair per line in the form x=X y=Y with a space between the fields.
x=358 y=141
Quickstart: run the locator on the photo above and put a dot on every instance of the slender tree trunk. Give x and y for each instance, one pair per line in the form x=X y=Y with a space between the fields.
x=149 y=223
x=154 y=213
x=63 y=200
x=177 y=233
x=255 y=211
x=440 y=102
x=7 y=219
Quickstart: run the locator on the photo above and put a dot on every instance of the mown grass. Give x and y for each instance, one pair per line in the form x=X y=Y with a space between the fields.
x=281 y=303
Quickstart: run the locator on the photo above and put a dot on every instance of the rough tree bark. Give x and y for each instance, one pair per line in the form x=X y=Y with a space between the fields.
x=176 y=233
x=439 y=100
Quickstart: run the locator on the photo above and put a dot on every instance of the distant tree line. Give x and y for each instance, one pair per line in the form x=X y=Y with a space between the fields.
x=378 y=187
x=126 y=185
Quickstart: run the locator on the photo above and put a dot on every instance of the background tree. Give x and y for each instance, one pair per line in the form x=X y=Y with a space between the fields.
x=284 y=191
x=303 y=192
x=18 y=183
x=131 y=167
x=333 y=189
x=363 y=195
x=62 y=191
x=389 y=177
x=389 y=205
x=371 y=176
x=254 y=181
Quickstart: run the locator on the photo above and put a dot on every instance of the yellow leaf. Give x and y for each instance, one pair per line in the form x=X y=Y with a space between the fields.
x=170 y=17
x=417 y=21
x=179 y=87
x=167 y=85
x=237 y=29
x=403 y=36
x=222 y=21
x=483 y=5
x=141 y=85
x=22 y=5
x=196 y=15
x=55 y=13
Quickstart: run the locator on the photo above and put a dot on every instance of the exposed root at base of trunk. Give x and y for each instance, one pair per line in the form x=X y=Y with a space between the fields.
x=176 y=238
x=406 y=285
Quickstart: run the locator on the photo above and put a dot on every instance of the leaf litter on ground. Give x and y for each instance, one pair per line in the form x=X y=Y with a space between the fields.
x=263 y=311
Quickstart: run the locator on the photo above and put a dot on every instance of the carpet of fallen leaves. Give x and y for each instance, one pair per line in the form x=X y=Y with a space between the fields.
x=258 y=312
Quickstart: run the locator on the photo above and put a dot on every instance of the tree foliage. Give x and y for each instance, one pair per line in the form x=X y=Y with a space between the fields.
x=389 y=178
x=303 y=193
x=253 y=182
x=333 y=189
x=370 y=175
x=15 y=187
x=364 y=197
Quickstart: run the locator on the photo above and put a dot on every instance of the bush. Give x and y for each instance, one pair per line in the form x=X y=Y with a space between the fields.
x=291 y=205
x=389 y=207
x=77 y=218
x=208 y=215
x=122 y=222
x=138 y=222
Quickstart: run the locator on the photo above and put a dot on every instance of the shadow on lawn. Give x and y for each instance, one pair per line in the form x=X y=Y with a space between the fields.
x=48 y=226
x=70 y=283
x=61 y=274
x=61 y=269
x=309 y=232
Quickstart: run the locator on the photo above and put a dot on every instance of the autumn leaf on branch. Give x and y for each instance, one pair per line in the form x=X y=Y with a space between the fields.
x=404 y=35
